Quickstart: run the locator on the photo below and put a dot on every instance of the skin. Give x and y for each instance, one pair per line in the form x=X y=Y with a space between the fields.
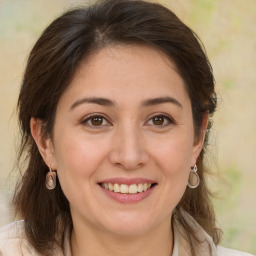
x=128 y=142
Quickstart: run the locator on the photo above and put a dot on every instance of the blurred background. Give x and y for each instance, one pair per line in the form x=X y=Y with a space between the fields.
x=228 y=31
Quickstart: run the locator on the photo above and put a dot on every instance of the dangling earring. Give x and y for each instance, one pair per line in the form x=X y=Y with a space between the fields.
x=193 y=180
x=50 y=181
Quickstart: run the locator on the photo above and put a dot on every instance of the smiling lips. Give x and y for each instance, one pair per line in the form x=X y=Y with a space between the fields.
x=126 y=190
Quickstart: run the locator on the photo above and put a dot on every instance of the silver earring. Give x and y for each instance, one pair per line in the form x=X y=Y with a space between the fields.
x=193 y=180
x=50 y=181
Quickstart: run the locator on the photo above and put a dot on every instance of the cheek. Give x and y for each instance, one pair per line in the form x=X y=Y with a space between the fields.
x=174 y=153
x=175 y=178
x=174 y=158
x=77 y=158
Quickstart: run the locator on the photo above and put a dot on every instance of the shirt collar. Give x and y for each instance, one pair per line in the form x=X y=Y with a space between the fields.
x=181 y=245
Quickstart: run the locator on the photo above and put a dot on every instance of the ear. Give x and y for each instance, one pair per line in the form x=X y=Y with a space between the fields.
x=43 y=142
x=199 y=141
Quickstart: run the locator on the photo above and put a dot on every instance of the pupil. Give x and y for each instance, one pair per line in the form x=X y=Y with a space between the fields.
x=97 y=121
x=158 y=120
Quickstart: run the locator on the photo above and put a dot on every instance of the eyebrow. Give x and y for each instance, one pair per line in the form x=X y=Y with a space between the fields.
x=161 y=100
x=109 y=103
x=94 y=100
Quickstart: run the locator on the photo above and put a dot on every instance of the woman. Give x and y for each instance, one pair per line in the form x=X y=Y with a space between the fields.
x=114 y=112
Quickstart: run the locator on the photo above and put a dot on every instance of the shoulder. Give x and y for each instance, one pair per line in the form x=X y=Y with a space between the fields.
x=13 y=241
x=207 y=240
x=12 y=229
x=221 y=251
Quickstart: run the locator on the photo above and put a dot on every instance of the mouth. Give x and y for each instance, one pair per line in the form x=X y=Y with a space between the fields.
x=127 y=189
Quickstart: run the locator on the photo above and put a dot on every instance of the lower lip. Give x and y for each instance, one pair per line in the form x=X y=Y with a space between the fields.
x=128 y=198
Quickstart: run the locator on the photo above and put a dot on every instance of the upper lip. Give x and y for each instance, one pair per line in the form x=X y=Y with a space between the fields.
x=127 y=181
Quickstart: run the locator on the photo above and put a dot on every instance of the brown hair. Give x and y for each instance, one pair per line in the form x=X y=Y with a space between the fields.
x=52 y=65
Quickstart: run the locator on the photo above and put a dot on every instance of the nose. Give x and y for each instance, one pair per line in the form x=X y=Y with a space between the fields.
x=128 y=149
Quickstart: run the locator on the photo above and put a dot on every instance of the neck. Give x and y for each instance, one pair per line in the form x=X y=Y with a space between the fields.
x=90 y=242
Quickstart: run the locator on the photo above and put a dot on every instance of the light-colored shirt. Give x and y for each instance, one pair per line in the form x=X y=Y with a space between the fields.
x=13 y=242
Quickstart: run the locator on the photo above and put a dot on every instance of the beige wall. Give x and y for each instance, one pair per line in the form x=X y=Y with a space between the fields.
x=227 y=28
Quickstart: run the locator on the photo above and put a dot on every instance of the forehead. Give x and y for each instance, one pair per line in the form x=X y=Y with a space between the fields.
x=131 y=61
x=127 y=71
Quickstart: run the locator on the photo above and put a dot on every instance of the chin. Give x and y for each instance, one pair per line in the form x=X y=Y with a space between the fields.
x=128 y=230
x=129 y=224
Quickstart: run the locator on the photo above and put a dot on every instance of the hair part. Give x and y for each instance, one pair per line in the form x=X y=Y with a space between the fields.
x=51 y=66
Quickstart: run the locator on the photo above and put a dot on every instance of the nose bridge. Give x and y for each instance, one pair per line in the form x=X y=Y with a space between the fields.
x=128 y=150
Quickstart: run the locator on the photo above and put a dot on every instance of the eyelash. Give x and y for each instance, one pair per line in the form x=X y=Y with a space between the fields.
x=166 y=118
x=90 y=117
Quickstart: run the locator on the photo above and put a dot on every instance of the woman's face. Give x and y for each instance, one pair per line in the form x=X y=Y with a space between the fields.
x=125 y=121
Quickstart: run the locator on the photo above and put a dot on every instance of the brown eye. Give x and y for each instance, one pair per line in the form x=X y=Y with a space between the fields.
x=97 y=121
x=158 y=120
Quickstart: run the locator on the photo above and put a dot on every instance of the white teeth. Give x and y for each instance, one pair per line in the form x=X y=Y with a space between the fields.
x=110 y=187
x=133 y=189
x=140 y=188
x=124 y=189
x=116 y=188
x=127 y=189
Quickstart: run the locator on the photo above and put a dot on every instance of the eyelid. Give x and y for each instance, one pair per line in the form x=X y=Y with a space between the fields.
x=164 y=115
x=90 y=116
x=85 y=120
